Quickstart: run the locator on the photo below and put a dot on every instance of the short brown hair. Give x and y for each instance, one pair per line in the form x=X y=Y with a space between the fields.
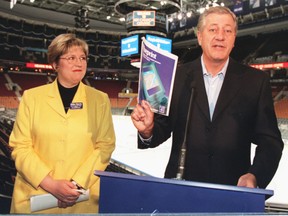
x=61 y=44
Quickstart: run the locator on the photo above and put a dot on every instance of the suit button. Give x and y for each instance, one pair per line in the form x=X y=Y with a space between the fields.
x=211 y=156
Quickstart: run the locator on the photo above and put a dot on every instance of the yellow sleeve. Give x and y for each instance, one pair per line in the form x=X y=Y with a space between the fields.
x=27 y=162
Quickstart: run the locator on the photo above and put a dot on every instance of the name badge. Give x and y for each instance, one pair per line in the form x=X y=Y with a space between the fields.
x=76 y=105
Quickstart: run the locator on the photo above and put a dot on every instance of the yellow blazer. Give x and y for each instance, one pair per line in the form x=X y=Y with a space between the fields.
x=69 y=145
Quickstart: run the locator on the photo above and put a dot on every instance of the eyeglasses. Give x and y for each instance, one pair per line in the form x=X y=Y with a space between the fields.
x=73 y=59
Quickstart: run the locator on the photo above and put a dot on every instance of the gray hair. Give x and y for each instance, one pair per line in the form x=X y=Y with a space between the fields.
x=215 y=10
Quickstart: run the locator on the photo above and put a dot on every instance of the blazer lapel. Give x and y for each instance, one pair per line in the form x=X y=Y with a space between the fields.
x=54 y=100
x=231 y=85
x=79 y=98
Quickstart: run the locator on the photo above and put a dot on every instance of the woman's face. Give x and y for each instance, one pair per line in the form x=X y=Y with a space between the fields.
x=71 y=67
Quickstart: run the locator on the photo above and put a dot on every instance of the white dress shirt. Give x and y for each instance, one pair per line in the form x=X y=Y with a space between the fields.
x=213 y=85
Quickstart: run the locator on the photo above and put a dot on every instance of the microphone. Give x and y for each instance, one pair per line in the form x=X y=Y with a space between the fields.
x=182 y=155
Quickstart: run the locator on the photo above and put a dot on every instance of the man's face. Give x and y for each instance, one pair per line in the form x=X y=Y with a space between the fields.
x=217 y=37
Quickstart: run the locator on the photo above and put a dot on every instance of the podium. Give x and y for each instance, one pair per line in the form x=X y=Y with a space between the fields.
x=126 y=193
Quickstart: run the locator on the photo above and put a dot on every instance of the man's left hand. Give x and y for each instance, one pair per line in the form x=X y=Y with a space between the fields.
x=247 y=180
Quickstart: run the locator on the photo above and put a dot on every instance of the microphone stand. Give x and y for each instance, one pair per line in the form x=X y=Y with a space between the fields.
x=182 y=155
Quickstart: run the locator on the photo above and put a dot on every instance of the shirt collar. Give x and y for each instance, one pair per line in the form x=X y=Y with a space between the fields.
x=222 y=71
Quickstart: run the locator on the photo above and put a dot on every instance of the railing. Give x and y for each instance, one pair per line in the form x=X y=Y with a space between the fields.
x=118 y=105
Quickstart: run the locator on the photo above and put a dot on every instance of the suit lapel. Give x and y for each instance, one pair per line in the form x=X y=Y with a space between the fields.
x=200 y=96
x=231 y=85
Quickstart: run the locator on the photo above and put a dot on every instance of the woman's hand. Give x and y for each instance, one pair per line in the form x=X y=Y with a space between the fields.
x=63 y=190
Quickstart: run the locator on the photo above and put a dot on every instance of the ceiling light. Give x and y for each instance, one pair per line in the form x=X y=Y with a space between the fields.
x=201 y=10
x=153 y=7
x=163 y=3
x=122 y=19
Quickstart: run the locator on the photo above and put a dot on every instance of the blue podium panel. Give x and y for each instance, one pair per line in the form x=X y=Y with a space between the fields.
x=124 y=193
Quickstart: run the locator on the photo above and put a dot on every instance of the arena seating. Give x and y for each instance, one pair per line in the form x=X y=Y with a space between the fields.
x=22 y=42
x=29 y=80
x=5 y=89
x=281 y=108
x=7 y=168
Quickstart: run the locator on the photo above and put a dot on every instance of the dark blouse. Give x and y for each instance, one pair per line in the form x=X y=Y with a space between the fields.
x=67 y=95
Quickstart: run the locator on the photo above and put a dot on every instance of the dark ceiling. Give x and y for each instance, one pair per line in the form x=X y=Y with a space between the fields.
x=98 y=10
x=63 y=13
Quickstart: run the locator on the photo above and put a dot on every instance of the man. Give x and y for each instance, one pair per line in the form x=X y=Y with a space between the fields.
x=232 y=107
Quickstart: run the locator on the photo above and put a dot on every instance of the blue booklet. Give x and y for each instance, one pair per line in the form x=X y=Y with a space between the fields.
x=156 y=77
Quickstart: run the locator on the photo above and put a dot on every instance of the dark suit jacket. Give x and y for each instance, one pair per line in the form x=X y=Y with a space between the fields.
x=218 y=151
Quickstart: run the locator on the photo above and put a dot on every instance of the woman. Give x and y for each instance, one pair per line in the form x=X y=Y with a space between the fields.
x=63 y=132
